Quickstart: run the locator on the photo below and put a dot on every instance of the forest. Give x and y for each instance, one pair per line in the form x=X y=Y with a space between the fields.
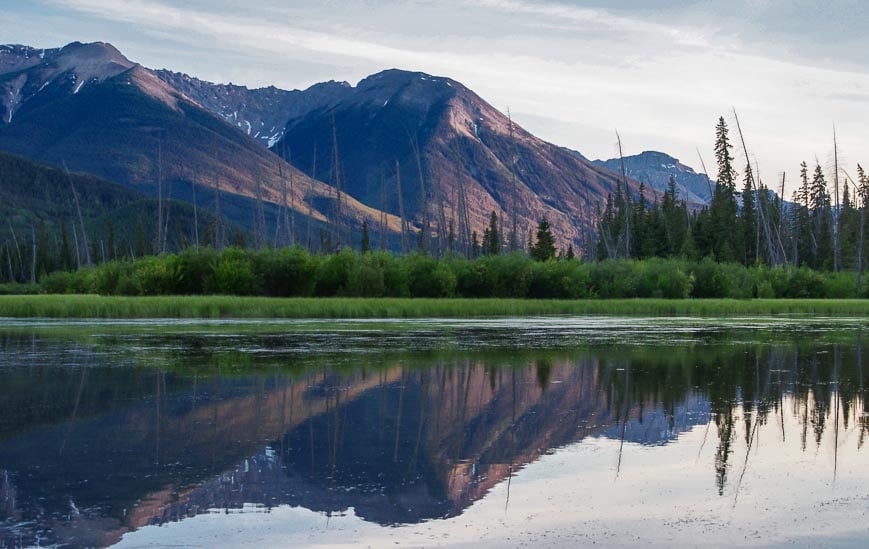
x=747 y=243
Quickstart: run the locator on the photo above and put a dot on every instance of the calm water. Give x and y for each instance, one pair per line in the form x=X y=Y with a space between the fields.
x=544 y=432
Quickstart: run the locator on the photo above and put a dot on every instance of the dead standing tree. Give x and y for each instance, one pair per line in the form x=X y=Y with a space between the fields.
x=775 y=249
x=87 y=249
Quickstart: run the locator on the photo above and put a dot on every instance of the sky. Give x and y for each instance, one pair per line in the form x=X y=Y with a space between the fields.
x=660 y=72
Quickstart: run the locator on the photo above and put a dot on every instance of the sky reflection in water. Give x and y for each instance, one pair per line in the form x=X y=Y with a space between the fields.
x=552 y=431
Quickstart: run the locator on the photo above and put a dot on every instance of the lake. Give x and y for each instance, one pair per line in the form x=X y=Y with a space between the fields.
x=555 y=431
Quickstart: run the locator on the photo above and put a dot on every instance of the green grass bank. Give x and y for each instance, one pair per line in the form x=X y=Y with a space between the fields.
x=228 y=307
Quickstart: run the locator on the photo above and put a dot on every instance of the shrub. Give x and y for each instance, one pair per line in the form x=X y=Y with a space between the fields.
x=427 y=277
x=59 y=282
x=233 y=275
x=194 y=267
x=804 y=283
x=287 y=272
x=510 y=275
x=367 y=277
x=154 y=276
x=559 y=280
x=472 y=277
x=840 y=285
x=334 y=273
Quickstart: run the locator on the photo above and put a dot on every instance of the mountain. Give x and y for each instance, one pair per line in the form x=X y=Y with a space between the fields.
x=89 y=107
x=400 y=142
x=260 y=113
x=655 y=169
x=446 y=144
x=41 y=202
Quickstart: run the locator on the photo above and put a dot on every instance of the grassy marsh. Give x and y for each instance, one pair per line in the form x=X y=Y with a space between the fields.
x=216 y=307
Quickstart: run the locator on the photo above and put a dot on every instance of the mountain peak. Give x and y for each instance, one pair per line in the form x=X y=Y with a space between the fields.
x=95 y=60
x=655 y=168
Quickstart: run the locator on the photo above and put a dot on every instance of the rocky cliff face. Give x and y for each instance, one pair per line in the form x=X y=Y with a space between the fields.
x=655 y=170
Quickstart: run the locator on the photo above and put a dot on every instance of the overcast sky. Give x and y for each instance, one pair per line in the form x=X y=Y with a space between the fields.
x=572 y=72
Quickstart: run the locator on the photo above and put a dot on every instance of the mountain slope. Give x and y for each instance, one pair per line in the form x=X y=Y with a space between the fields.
x=37 y=200
x=90 y=108
x=465 y=154
x=655 y=169
x=260 y=113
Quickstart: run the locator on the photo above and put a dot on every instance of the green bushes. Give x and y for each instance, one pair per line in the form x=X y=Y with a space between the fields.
x=294 y=272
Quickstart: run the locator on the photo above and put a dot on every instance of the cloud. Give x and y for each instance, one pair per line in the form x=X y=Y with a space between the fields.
x=662 y=76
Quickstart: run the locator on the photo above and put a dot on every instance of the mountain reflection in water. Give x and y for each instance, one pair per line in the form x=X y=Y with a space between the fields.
x=96 y=441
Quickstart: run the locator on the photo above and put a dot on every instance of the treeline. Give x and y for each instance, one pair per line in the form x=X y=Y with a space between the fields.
x=823 y=228
x=295 y=272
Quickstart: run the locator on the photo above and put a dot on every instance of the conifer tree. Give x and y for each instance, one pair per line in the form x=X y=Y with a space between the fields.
x=821 y=217
x=491 y=237
x=365 y=244
x=723 y=208
x=748 y=223
x=65 y=250
x=544 y=247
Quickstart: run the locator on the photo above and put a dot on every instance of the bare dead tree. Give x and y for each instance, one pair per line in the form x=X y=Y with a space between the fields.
x=195 y=217
x=705 y=174
x=17 y=247
x=311 y=199
x=218 y=220
x=627 y=199
x=9 y=262
x=382 y=233
x=260 y=212
x=291 y=237
x=443 y=229
x=401 y=209
x=281 y=206
x=77 y=251
x=513 y=191
x=339 y=229
x=836 y=216
x=168 y=203
x=862 y=231
x=80 y=217
x=781 y=206
x=777 y=255
x=159 y=242
x=33 y=256
x=423 y=194
x=465 y=238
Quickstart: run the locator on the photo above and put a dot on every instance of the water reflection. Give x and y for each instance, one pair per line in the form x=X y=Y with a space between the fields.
x=101 y=438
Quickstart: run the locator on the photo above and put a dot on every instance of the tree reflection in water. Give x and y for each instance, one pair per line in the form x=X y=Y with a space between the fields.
x=108 y=443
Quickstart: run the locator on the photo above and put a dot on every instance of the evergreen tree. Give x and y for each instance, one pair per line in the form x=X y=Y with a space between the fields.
x=723 y=209
x=748 y=222
x=66 y=259
x=42 y=259
x=821 y=218
x=365 y=244
x=544 y=247
x=638 y=224
x=492 y=237
x=141 y=244
x=111 y=252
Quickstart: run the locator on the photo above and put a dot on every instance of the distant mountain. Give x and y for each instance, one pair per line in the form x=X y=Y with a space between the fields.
x=446 y=143
x=260 y=113
x=89 y=107
x=655 y=169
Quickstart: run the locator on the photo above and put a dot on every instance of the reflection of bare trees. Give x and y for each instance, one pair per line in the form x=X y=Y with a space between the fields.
x=750 y=389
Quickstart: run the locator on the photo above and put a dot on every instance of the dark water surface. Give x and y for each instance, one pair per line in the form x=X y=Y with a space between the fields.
x=544 y=432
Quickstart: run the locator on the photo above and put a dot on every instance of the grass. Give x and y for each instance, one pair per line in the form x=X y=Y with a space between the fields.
x=214 y=307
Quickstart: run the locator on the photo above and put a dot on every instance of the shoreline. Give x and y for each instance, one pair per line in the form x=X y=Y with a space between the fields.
x=231 y=307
